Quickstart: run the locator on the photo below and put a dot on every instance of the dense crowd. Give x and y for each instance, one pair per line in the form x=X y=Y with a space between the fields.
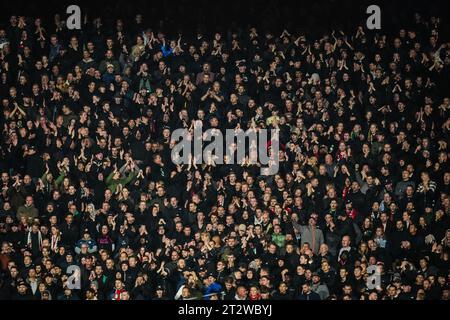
x=87 y=178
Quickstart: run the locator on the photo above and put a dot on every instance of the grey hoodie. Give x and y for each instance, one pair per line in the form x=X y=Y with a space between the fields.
x=321 y=289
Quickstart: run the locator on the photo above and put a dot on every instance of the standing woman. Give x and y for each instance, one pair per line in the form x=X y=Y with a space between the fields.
x=138 y=49
x=363 y=251
x=39 y=37
x=55 y=238
x=104 y=240
x=367 y=229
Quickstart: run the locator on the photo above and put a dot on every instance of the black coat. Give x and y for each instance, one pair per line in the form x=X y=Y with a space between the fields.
x=311 y=296
x=69 y=234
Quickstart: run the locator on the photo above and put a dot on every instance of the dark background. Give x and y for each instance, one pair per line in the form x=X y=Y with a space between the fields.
x=313 y=16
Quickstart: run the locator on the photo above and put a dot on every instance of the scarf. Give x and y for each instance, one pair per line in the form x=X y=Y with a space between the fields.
x=54 y=242
x=117 y=293
x=29 y=241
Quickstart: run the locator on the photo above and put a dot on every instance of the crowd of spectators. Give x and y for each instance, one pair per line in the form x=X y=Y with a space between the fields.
x=87 y=179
